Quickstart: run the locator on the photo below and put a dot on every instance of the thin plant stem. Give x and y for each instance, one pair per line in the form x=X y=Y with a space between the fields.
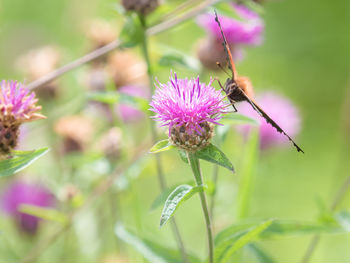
x=212 y=201
x=337 y=200
x=160 y=173
x=163 y=26
x=194 y=162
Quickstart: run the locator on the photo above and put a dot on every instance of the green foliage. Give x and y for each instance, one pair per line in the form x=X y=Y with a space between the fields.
x=44 y=213
x=150 y=250
x=20 y=160
x=279 y=229
x=213 y=154
x=260 y=254
x=343 y=218
x=113 y=97
x=175 y=60
x=175 y=199
x=247 y=174
x=161 y=146
x=226 y=248
x=132 y=31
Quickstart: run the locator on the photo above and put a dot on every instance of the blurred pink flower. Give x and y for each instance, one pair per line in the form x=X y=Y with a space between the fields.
x=247 y=31
x=127 y=112
x=281 y=110
x=19 y=193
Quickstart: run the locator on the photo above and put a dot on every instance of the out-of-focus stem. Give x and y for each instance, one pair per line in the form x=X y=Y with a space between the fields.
x=193 y=161
x=316 y=239
x=116 y=43
x=161 y=177
x=215 y=180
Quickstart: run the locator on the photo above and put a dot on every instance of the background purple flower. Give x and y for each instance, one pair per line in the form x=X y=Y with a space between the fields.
x=19 y=193
x=129 y=113
x=187 y=102
x=281 y=110
x=247 y=31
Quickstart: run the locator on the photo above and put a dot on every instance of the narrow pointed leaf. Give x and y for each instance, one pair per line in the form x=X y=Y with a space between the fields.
x=227 y=248
x=247 y=174
x=150 y=250
x=160 y=200
x=161 y=146
x=19 y=161
x=113 y=97
x=132 y=32
x=279 y=229
x=237 y=118
x=183 y=156
x=260 y=254
x=343 y=218
x=175 y=199
x=214 y=155
x=44 y=213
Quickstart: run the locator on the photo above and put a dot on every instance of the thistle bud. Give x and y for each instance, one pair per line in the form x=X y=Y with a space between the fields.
x=110 y=143
x=140 y=6
x=39 y=62
x=76 y=132
x=126 y=68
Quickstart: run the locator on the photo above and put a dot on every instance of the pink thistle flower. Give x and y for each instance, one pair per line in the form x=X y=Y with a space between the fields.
x=189 y=109
x=128 y=113
x=281 y=110
x=19 y=193
x=247 y=31
x=17 y=105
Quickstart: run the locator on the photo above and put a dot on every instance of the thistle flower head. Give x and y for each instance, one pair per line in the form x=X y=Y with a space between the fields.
x=189 y=109
x=281 y=110
x=17 y=105
x=247 y=31
x=20 y=193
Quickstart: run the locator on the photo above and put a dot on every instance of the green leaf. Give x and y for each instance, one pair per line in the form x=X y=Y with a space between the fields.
x=236 y=118
x=278 y=229
x=214 y=155
x=113 y=97
x=160 y=200
x=247 y=179
x=150 y=250
x=132 y=32
x=175 y=199
x=343 y=218
x=260 y=254
x=176 y=60
x=19 y=161
x=44 y=213
x=161 y=146
x=183 y=156
x=227 y=248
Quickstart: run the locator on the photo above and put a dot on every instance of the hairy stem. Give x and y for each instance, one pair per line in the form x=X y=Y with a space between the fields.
x=160 y=173
x=194 y=162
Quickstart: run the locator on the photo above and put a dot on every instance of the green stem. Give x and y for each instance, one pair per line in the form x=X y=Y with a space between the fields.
x=215 y=181
x=160 y=173
x=194 y=162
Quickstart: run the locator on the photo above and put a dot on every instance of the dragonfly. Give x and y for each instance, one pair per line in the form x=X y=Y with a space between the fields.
x=239 y=88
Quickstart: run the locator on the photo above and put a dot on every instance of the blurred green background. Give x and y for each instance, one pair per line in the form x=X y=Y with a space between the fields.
x=305 y=56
